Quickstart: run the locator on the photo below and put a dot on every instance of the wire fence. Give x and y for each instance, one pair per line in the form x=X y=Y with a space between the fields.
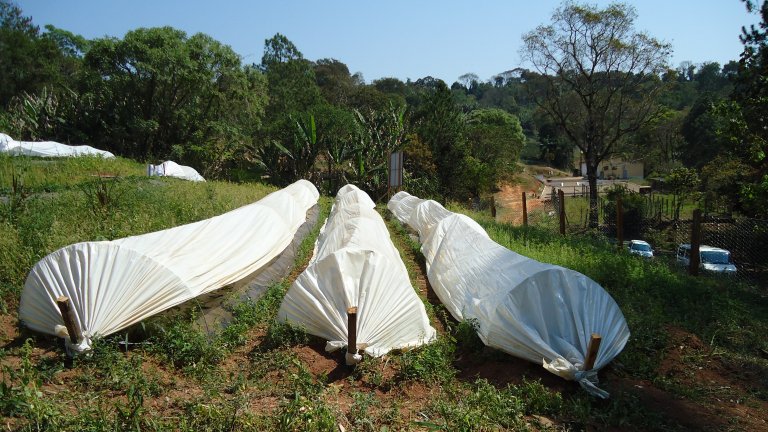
x=666 y=223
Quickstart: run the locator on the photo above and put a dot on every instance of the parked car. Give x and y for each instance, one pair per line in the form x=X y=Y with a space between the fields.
x=711 y=259
x=640 y=247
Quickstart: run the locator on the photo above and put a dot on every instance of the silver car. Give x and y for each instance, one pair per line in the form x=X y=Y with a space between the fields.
x=711 y=259
x=641 y=248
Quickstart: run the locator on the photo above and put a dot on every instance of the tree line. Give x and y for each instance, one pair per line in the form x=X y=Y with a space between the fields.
x=158 y=93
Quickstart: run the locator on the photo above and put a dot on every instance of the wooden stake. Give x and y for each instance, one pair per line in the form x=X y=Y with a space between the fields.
x=69 y=320
x=592 y=349
x=525 y=211
x=693 y=262
x=619 y=223
x=352 y=330
x=493 y=206
x=561 y=199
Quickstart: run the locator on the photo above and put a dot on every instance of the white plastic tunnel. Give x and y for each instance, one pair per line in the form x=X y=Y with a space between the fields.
x=540 y=312
x=355 y=264
x=114 y=284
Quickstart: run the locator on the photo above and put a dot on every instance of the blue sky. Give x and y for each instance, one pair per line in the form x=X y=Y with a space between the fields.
x=396 y=38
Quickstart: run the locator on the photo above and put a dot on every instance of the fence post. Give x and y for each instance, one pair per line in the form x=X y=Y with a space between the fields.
x=693 y=267
x=619 y=223
x=561 y=198
x=493 y=206
x=525 y=211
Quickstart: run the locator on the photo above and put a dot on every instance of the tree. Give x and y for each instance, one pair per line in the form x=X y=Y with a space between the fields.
x=600 y=78
x=382 y=132
x=159 y=94
x=28 y=62
x=293 y=94
x=659 y=144
x=440 y=125
x=334 y=80
x=700 y=129
x=682 y=181
x=747 y=113
x=495 y=139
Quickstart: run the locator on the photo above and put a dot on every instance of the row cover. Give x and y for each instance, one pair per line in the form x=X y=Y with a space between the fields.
x=47 y=148
x=356 y=264
x=540 y=312
x=113 y=284
x=172 y=169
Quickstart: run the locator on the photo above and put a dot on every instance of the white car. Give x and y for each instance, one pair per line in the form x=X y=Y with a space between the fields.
x=711 y=259
x=640 y=247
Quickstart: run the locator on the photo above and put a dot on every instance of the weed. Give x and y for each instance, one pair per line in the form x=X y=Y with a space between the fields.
x=283 y=334
x=21 y=393
x=479 y=407
x=432 y=363
x=185 y=346
x=466 y=336
x=359 y=413
x=306 y=414
x=370 y=371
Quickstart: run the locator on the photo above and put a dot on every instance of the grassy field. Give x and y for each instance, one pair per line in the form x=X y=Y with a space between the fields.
x=697 y=358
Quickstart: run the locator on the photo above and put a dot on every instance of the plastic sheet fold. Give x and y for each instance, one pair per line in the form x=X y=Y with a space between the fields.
x=113 y=284
x=355 y=264
x=540 y=312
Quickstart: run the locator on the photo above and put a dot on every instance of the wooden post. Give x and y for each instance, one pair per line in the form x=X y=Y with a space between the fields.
x=561 y=199
x=69 y=321
x=619 y=223
x=693 y=267
x=493 y=206
x=352 y=330
x=525 y=211
x=592 y=349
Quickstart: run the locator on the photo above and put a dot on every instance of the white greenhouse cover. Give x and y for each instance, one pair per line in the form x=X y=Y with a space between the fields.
x=532 y=310
x=356 y=264
x=47 y=148
x=113 y=284
x=172 y=169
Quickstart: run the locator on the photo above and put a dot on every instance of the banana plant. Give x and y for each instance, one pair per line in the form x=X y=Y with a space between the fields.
x=383 y=132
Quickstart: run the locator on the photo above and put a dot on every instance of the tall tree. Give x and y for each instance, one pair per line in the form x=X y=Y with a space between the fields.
x=599 y=78
x=28 y=61
x=440 y=125
x=495 y=139
x=747 y=114
x=293 y=95
x=158 y=93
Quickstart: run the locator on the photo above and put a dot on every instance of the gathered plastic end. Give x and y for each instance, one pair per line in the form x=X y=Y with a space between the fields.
x=353 y=359
x=587 y=379
x=350 y=359
x=73 y=349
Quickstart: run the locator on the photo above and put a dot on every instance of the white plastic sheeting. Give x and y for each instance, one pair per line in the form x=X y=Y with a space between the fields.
x=536 y=311
x=172 y=169
x=113 y=284
x=356 y=264
x=47 y=148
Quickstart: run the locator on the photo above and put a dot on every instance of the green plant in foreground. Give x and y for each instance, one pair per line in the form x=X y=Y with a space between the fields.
x=432 y=363
x=21 y=393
